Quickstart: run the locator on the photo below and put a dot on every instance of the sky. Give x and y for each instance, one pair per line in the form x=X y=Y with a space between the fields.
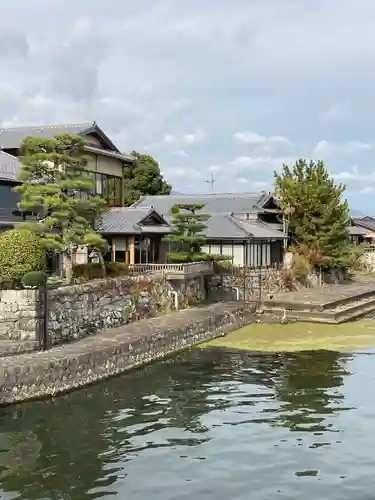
x=230 y=89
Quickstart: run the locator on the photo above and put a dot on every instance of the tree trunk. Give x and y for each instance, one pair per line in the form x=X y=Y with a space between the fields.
x=68 y=267
x=102 y=264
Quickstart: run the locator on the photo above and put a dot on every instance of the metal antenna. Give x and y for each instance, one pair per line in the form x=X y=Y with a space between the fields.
x=211 y=181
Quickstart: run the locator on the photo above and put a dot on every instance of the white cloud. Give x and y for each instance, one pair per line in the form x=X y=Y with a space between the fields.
x=263 y=185
x=181 y=153
x=367 y=190
x=337 y=112
x=182 y=173
x=194 y=138
x=243 y=162
x=254 y=139
x=151 y=73
x=214 y=168
x=242 y=180
x=350 y=147
x=260 y=163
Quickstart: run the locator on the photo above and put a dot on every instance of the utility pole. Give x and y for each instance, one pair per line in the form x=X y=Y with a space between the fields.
x=211 y=181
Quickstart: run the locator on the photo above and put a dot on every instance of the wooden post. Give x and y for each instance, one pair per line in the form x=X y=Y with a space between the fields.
x=131 y=248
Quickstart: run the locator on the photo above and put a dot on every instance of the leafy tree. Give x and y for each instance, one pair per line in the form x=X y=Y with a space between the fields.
x=20 y=252
x=143 y=178
x=59 y=192
x=316 y=215
x=187 y=238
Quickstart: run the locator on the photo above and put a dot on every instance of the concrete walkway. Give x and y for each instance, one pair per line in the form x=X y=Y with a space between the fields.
x=73 y=365
x=326 y=295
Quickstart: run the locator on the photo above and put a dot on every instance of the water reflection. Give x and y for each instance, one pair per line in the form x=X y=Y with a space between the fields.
x=105 y=440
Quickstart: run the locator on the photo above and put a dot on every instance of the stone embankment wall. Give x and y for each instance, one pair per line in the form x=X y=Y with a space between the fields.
x=80 y=310
x=96 y=357
x=19 y=314
x=368 y=261
x=246 y=284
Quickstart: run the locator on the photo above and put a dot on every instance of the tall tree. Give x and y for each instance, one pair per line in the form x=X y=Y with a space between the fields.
x=59 y=192
x=317 y=215
x=187 y=238
x=144 y=178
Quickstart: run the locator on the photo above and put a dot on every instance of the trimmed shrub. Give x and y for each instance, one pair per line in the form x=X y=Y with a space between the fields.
x=34 y=279
x=20 y=252
x=88 y=272
x=115 y=269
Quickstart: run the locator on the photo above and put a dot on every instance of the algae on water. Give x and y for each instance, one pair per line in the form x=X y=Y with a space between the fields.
x=299 y=337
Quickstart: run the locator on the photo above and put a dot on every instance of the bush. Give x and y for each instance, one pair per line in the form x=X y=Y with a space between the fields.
x=34 y=279
x=88 y=272
x=20 y=252
x=301 y=267
x=115 y=269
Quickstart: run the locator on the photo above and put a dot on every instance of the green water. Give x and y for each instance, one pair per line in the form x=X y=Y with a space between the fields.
x=210 y=423
x=300 y=337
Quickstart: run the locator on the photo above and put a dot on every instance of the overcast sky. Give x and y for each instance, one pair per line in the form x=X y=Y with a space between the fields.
x=231 y=88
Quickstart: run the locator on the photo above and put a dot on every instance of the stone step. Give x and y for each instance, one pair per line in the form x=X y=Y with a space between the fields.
x=12 y=347
x=337 y=315
x=318 y=307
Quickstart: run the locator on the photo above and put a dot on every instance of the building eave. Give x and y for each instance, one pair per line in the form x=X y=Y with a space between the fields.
x=111 y=154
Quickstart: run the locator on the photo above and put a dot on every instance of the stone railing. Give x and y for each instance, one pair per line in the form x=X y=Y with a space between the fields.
x=175 y=270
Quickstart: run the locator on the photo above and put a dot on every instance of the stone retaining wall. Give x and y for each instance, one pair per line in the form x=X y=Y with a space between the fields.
x=80 y=310
x=19 y=314
x=368 y=261
x=246 y=283
x=67 y=367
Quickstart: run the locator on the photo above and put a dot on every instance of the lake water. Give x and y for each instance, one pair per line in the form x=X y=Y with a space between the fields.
x=210 y=423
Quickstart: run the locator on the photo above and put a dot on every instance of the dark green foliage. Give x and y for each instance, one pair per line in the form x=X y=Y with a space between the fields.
x=20 y=252
x=317 y=217
x=34 y=279
x=144 y=178
x=88 y=272
x=59 y=192
x=187 y=239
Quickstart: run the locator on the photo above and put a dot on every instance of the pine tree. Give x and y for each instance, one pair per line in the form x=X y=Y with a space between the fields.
x=59 y=192
x=187 y=239
x=317 y=216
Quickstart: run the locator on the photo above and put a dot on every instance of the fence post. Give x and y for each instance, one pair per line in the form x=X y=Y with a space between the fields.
x=43 y=315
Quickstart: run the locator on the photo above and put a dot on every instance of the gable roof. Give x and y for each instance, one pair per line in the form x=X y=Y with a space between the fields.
x=367 y=222
x=128 y=220
x=11 y=138
x=10 y=167
x=224 y=203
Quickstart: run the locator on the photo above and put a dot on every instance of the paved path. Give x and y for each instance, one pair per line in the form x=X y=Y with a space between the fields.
x=326 y=294
x=73 y=365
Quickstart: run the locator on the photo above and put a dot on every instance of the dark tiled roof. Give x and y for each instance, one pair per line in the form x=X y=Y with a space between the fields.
x=366 y=222
x=224 y=203
x=224 y=226
x=128 y=220
x=11 y=138
x=10 y=167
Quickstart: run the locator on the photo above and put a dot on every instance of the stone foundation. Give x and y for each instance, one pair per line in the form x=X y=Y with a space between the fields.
x=80 y=310
x=19 y=314
x=246 y=284
x=63 y=368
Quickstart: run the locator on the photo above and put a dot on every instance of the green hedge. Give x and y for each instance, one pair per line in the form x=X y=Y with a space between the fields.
x=20 y=252
x=34 y=279
x=88 y=272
